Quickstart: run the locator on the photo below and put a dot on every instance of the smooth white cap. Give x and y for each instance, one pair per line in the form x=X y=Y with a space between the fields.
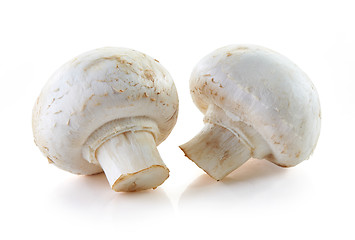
x=96 y=89
x=265 y=90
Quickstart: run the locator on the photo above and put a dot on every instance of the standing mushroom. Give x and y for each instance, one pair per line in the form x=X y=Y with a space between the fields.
x=257 y=104
x=108 y=109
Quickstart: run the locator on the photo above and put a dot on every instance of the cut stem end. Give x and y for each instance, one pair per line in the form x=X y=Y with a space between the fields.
x=217 y=151
x=147 y=178
x=132 y=162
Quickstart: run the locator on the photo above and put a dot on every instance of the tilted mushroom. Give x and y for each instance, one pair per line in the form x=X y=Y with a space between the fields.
x=108 y=109
x=257 y=104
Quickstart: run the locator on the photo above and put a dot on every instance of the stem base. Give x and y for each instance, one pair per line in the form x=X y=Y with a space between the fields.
x=217 y=151
x=144 y=179
x=132 y=162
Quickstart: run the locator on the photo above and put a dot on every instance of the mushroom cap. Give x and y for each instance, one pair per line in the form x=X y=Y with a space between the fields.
x=97 y=88
x=265 y=90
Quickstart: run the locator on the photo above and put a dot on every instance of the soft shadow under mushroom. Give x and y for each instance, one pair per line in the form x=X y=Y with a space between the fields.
x=252 y=170
x=91 y=195
x=258 y=184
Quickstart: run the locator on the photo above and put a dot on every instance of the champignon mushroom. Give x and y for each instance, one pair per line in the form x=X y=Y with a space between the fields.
x=108 y=109
x=257 y=104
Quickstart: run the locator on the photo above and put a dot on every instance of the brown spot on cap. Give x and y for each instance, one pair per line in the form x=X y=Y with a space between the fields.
x=50 y=161
x=149 y=74
x=118 y=90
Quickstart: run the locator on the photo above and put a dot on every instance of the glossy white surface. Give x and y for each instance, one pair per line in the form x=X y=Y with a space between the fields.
x=314 y=200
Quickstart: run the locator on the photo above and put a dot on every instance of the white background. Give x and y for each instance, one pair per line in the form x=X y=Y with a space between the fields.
x=314 y=200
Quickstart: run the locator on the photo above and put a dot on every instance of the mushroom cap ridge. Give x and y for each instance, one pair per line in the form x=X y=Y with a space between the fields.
x=265 y=90
x=94 y=89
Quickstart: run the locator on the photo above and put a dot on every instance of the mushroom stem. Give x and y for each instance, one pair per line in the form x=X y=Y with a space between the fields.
x=216 y=150
x=224 y=144
x=132 y=162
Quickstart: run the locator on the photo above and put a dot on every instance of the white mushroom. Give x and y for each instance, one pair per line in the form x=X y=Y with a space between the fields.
x=257 y=104
x=108 y=109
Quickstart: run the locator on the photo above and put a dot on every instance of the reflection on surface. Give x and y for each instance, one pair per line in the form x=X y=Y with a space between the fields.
x=92 y=195
x=257 y=185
